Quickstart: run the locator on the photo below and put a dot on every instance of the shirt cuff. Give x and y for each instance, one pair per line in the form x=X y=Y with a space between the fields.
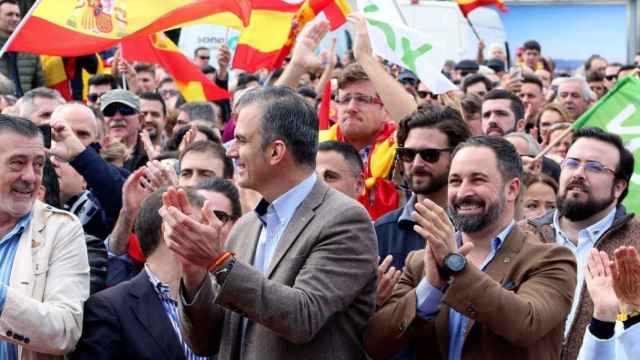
x=428 y=299
x=3 y=296
x=602 y=329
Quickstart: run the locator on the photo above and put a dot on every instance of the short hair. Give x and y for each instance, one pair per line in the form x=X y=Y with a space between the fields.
x=226 y=188
x=104 y=79
x=516 y=105
x=149 y=222
x=174 y=143
x=532 y=45
x=195 y=52
x=507 y=158
x=89 y=112
x=471 y=103
x=287 y=117
x=348 y=153
x=19 y=126
x=589 y=62
x=51 y=185
x=12 y=2
x=442 y=118
x=244 y=79
x=595 y=76
x=624 y=168
x=164 y=81
x=26 y=103
x=218 y=151
x=352 y=73
x=149 y=68
x=307 y=92
x=474 y=79
x=199 y=110
x=585 y=90
x=627 y=67
x=151 y=96
x=533 y=148
x=532 y=79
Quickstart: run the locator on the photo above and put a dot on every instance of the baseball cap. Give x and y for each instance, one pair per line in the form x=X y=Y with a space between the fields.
x=496 y=64
x=468 y=65
x=120 y=96
x=407 y=75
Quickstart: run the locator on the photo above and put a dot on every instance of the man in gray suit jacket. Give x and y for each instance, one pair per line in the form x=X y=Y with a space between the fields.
x=296 y=279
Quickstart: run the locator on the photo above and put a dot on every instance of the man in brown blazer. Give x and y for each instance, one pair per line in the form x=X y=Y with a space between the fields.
x=489 y=291
x=297 y=278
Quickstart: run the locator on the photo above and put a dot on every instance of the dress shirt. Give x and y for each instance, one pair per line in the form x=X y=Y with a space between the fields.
x=275 y=217
x=8 y=249
x=428 y=298
x=171 y=309
x=586 y=240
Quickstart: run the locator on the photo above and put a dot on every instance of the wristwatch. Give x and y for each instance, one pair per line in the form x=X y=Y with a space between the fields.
x=453 y=263
x=221 y=274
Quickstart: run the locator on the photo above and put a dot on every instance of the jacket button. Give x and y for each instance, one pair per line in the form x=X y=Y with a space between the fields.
x=9 y=333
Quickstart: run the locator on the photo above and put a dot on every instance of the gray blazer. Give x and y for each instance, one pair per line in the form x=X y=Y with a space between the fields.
x=315 y=298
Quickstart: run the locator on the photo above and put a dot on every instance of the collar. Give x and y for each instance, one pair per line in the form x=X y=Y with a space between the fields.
x=405 y=215
x=593 y=232
x=497 y=242
x=286 y=204
x=159 y=287
x=19 y=227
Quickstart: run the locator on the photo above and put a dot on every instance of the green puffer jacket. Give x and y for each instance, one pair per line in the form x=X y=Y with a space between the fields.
x=29 y=69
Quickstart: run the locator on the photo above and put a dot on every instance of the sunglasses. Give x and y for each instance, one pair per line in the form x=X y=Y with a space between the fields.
x=429 y=155
x=123 y=109
x=93 y=97
x=611 y=77
x=222 y=216
x=424 y=94
x=204 y=57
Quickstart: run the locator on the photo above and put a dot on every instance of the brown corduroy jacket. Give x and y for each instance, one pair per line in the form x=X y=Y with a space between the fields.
x=517 y=307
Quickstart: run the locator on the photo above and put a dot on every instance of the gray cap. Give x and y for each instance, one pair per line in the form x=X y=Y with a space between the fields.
x=120 y=96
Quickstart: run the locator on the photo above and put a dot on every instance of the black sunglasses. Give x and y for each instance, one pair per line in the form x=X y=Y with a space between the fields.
x=123 y=109
x=423 y=94
x=428 y=155
x=204 y=57
x=93 y=97
x=222 y=216
x=611 y=77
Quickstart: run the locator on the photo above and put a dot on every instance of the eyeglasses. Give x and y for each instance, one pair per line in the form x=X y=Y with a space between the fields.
x=123 y=109
x=424 y=94
x=611 y=77
x=93 y=97
x=204 y=57
x=222 y=216
x=429 y=155
x=590 y=166
x=360 y=99
x=168 y=93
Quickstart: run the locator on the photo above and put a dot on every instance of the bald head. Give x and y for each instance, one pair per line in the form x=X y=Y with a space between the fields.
x=81 y=120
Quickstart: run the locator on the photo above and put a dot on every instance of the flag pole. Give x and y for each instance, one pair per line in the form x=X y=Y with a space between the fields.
x=18 y=28
x=555 y=142
x=122 y=75
x=473 y=28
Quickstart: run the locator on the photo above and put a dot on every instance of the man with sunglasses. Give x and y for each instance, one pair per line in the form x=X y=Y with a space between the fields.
x=611 y=75
x=121 y=111
x=593 y=182
x=201 y=56
x=98 y=86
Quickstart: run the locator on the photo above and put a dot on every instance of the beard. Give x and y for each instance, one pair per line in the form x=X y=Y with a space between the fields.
x=578 y=210
x=476 y=222
x=431 y=185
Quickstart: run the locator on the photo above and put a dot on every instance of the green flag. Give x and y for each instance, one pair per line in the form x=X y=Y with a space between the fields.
x=618 y=112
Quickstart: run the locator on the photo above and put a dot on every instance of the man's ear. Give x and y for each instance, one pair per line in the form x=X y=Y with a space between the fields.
x=276 y=152
x=512 y=189
x=618 y=187
x=520 y=125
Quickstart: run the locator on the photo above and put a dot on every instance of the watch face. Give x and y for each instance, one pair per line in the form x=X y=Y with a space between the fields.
x=456 y=262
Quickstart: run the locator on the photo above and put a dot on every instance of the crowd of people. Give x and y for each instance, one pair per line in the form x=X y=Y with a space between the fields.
x=475 y=224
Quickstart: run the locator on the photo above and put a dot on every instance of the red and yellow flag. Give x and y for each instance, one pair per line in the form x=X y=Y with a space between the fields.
x=467 y=6
x=158 y=49
x=273 y=27
x=81 y=27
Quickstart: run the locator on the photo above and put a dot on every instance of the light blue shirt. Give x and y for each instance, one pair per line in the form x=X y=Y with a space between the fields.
x=586 y=240
x=428 y=299
x=8 y=249
x=275 y=217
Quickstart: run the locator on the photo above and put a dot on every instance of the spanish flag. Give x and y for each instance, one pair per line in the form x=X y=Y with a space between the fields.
x=273 y=27
x=467 y=6
x=72 y=27
x=158 y=49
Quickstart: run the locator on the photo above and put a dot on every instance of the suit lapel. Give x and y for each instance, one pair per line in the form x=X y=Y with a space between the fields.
x=32 y=238
x=502 y=262
x=300 y=219
x=148 y=309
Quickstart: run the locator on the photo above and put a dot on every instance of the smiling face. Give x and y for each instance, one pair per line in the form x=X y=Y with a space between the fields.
x=21 y=163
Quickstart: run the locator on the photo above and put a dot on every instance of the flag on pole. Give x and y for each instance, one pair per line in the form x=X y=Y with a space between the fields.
x=158 y=49
x=274 y=25
x=467 y=6
x=72 y=28
x=618 y=112
x=406 y=47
